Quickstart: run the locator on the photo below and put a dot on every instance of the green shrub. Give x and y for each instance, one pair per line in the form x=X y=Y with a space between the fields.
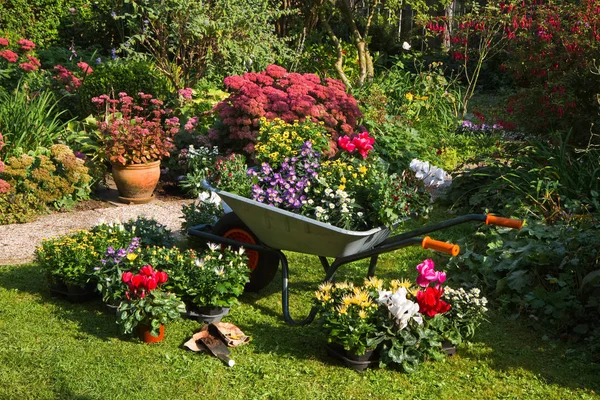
x=539 y=272
x=128 y=76
x=56 y=178
x=547 y=180
x=82 y=22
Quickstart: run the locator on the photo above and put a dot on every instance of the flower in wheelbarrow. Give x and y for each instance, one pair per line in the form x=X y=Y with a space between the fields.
x=427 y=274
x=363 y=143
x=402 y=309
x=430 y=302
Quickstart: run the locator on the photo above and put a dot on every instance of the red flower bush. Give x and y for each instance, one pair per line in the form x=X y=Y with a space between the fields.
x=145 y=281
x=275 y=93
x=26 y=45
x=9 y=56
x=430 y=302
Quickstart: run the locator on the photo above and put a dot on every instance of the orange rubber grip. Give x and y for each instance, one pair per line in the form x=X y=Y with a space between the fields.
x=507 y=222
x=442 y=247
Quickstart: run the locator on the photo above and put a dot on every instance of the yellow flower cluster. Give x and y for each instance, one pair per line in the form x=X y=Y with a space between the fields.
x=278 y=139
x=410 y=97
x=343 y=173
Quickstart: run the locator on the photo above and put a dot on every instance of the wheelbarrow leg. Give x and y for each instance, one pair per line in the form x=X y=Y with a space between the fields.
x=372 y=266
x=285 y=303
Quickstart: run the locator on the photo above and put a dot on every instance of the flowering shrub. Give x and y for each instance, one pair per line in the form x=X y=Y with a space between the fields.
x=200 y=164
x=68 y=80
x=405 y=323
x=146 y=303
x=56 y=178
x=275 y=93
x=19 y=61
x=134 y=133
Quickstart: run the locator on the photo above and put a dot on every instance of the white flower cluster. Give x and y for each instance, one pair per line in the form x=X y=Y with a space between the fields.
x=209 y=197
x=402 y=309
x=338 y=202
x=112 y=226
x=429 y=174
x=466 y=302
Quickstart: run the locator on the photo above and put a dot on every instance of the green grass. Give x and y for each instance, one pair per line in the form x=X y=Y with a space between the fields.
x=52 y=349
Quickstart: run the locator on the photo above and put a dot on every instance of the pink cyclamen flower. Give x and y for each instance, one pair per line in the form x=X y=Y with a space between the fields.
x=345 y=143
x=428 y=275
x=9 y=56
x=3 y=41
x=85 y=67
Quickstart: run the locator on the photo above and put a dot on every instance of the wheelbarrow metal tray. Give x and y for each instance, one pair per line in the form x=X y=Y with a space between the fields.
x=284 y=230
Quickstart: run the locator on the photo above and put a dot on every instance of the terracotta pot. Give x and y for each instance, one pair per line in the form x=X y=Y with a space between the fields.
x=136 y=182
x=146 y=337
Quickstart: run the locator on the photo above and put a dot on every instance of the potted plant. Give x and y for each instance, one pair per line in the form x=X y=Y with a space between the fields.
x=350 y=316
x=112 y=266
x=146 y=307
x=215 y=281
x=136 y=137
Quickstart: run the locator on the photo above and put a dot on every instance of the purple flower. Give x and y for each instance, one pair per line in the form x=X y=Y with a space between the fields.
x=110 y=251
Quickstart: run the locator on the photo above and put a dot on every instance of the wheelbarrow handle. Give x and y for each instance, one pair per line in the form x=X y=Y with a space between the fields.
x=506 y=222
x=442 y=247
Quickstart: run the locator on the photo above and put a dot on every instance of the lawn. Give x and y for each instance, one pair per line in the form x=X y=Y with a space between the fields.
x=52 y=349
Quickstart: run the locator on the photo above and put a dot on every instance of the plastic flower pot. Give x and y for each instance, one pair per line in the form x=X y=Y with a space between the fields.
x=353 y=361
x=145 y=335
x=207 y=314
x=448 y=348
x=136 y=182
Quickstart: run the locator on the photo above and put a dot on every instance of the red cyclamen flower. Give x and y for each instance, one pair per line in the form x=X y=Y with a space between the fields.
x=430 y=302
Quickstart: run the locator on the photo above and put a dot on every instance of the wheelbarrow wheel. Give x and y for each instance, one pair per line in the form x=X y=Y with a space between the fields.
x=262 y=264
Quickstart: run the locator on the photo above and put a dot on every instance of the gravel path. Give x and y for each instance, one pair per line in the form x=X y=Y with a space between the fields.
x=19 y=241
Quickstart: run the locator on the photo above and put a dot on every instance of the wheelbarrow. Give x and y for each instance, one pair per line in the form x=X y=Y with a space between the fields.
x=265 y=231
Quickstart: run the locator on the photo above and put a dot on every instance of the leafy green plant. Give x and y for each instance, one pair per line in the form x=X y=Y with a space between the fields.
x=189 y=40
x=218 y=278
x=539 y=271
x=547 y=180
x=29 y=122
x=207 y=210
x=150 y=232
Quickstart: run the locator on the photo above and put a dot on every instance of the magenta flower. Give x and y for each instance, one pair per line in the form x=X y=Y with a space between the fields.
x=428 y=275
